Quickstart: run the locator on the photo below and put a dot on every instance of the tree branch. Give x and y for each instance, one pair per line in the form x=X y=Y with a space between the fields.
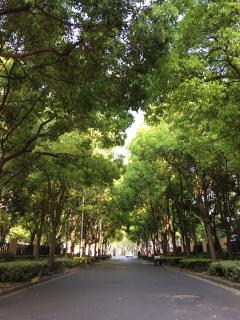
x=6 y=11
x=28 y=143
x=24 y=117
x=29 y=53
x=56 y=155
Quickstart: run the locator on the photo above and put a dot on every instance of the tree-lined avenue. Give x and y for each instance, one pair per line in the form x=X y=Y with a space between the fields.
x=126 y=289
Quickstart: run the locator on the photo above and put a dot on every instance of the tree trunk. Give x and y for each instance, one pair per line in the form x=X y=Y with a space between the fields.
x=154 y=244
x=195 y=241
x=164 y=242
x=39 y=235
x=173 y=236
x=224 y=213
x=187 y=245
x=37 y=246
x=89 y=249
x=32 y=237
x=84 y=247
x=95 y=248
x=228 y=243
x=72 y=248
x=202 y=204
x=183 y=244
x=208 y=229
x=51 y=259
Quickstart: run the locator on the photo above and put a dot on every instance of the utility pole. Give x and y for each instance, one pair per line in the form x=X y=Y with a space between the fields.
x=81 y=234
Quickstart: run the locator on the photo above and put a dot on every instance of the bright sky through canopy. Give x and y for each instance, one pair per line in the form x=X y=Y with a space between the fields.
x=131 y=133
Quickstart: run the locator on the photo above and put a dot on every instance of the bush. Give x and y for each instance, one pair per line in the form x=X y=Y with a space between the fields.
x=7 y=256
x=22 y=270
x=201 y=255
x=236 y=255
x=227 y=269
x=171 y=260
x=31 y=257
x=99 y=258
x=57 y=267
x=195 y=264
x=69 y=262
x=83 y=260
x=106 y=257
x=145 y=257
x=87 y=260
x=16 y=271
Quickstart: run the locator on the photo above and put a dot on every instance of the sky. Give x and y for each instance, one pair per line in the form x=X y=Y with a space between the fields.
x=131 y=133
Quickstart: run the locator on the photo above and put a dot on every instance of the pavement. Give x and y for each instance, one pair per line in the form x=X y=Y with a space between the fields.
x=9 y=287
x=123 y=289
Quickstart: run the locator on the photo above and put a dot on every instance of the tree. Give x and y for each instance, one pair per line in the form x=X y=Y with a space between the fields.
x=75 y=75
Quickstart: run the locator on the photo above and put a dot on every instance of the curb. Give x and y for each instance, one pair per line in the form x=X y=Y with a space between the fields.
x=218 y=280
x=37 y=281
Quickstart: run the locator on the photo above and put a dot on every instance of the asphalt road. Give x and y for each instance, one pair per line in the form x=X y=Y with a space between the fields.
x=123 y=289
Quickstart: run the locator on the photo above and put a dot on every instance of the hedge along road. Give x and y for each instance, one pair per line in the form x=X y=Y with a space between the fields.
x=125 y=289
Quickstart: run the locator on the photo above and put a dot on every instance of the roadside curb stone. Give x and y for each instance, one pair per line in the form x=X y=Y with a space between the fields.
x=205 y=276
x=38 y=280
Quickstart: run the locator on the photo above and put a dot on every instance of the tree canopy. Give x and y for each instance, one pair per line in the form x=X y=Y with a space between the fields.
x=70 y=73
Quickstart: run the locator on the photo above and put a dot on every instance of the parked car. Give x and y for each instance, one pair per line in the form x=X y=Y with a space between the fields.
x=129 y=254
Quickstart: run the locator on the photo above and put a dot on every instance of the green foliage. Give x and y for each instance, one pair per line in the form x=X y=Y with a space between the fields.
x=64 y=104
x=195 y=264
x=227 y=269
x=6 y=221
x=187 y=158
x=98 y=258
x=22 y=270
x=106 y=257
x=69 y=263
x=7 y=256
x=84 y=260
x=19 y=233
x=172 y=261
x=17 y=271
x=78 y=261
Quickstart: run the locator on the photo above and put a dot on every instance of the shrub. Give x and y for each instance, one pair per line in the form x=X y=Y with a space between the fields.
x=99 y=258
x=228 y=269
x=58 y=267
x=87 y=260
x=201 y=255
x=7 y=256
x=171 y=260
x=69 y=262
x=142 y=256
x=195 y=264
x=31 y=257
x=22 y=270
x=83 y=260
x=106 y=257
x=145 y=257
x=18 y=270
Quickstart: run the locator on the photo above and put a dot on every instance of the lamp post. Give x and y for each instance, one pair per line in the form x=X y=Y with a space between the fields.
x=81 y=234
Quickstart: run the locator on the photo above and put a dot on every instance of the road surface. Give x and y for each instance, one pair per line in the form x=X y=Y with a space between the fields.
x=123 y=289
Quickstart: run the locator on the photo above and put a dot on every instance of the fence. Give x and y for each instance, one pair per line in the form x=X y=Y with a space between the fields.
x=4 y=247
x=27 y=250
x=235 y=245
